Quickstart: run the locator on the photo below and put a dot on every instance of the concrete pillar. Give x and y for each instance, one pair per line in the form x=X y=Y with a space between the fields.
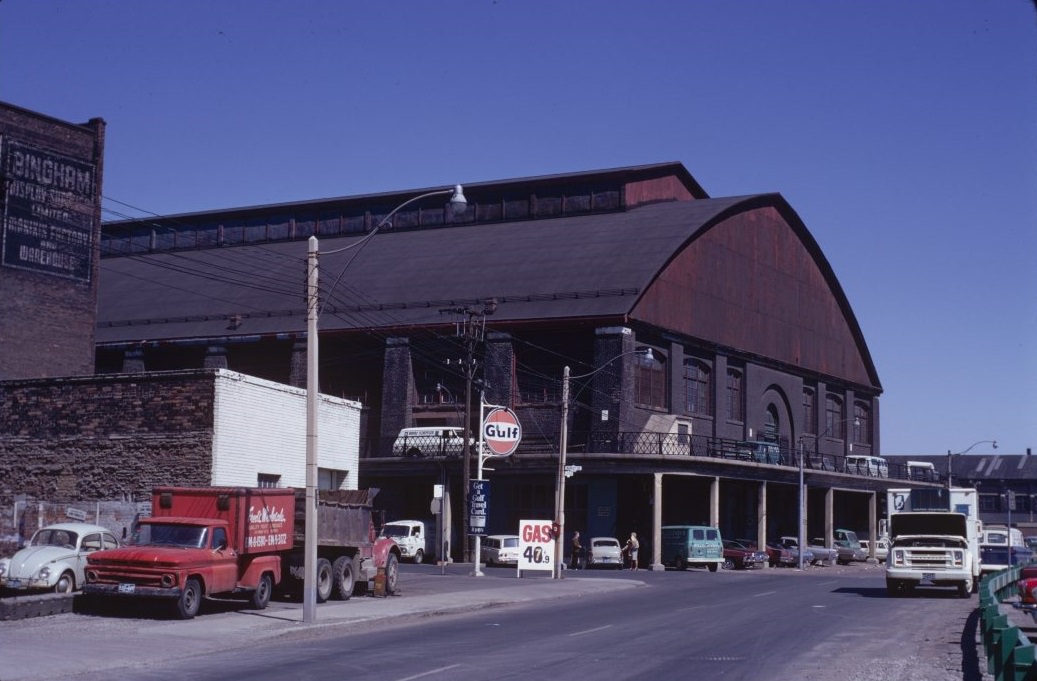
x=657 y=521
x=714 y=502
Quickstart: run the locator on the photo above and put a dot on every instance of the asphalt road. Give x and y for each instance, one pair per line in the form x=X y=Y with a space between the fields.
x=822 y=623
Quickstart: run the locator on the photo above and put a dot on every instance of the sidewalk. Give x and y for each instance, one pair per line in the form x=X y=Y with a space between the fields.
x=97 y=643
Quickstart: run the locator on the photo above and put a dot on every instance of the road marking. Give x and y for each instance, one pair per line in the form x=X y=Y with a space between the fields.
x=429 y=673
x=766 y=593
x=590 y=631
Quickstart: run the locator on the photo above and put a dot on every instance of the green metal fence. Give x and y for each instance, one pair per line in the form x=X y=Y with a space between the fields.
x=1010 y=655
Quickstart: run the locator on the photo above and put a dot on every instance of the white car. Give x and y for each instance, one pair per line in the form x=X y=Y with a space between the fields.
x=605 y=552
x=500 y=549
x=55 y=558
x=881 y=548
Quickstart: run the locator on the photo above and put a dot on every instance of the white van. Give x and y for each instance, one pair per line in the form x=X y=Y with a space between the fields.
x=875 y=466
x=921 y=470
x=432 y=441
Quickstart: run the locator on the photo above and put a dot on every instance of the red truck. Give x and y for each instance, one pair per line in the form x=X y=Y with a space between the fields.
x=213 y=541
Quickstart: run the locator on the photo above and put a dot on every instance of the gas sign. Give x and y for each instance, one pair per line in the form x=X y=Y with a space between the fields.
x=502 y=431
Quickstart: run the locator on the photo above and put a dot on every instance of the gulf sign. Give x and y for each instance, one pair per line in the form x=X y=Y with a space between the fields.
x=501 y=431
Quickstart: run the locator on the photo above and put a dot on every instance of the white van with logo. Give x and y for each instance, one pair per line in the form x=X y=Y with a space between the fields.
x=874 y=466
x=429 y=441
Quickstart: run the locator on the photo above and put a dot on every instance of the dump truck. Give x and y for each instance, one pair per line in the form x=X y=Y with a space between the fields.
x=216 y=541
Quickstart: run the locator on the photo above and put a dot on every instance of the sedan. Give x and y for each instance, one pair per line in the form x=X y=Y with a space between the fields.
x=605 y=552
x=55 y=558
x=739 y=556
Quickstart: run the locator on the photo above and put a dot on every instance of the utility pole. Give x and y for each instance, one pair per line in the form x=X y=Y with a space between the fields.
x=471 y=328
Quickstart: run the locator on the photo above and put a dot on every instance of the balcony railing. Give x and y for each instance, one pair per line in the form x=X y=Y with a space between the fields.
x=635 y=444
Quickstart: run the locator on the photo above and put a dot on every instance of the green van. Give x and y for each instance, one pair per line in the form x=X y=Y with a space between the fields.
x=695 y=545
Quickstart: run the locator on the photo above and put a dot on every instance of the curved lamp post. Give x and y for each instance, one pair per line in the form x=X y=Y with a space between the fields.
x=458 y=204
x=801 y=534
x=965 y=451
x=563 y=448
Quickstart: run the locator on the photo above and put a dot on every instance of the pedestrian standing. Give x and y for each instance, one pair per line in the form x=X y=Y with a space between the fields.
x=631 y=548
x=577 y=550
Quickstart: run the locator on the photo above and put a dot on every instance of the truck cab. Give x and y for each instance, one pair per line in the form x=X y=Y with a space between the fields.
x=414 y=537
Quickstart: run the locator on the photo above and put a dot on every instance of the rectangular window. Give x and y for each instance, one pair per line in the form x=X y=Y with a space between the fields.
x=697 y=388
x=809 y=412
x=835 y=418
x=650 y=384
x=735 y=410
x=268 y=480
x=861 y=423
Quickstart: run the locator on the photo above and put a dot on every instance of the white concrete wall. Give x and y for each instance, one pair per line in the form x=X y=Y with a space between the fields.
x=260 y=427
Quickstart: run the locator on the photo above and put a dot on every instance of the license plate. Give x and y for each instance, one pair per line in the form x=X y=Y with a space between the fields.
x=14 y=583
x=928 y=576
x=127 y=588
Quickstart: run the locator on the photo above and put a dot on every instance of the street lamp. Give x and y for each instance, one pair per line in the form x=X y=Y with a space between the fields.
x=562 y=450
x=309 y=602
x=966 y=451
x=801 y=534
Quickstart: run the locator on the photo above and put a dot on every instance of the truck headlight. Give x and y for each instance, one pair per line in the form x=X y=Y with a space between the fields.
x=959 y=557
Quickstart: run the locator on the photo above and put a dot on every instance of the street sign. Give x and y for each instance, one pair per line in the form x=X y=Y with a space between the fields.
x=570 y=469
x=478 y=506
x=502 y=431
x=536 y=545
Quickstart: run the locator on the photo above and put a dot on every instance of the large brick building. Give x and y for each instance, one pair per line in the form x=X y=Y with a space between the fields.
x=50 y=188
x=752 y=339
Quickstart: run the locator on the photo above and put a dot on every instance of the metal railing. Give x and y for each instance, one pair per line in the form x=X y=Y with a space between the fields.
x=1010 y=654
x=655 y=444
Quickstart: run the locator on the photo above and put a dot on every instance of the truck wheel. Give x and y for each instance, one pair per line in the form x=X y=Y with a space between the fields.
x=392 y=574
x=325 y=581
x=66 y=583
x=190 y=600
x=712 y=567
x=681 y=563
x=894 y=587
x=965 y=588
x=261 y=596
x=344 y=579
x=419 y=556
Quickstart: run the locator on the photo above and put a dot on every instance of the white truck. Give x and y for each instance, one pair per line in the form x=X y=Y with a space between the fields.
x=934 y=535
x=416 y=538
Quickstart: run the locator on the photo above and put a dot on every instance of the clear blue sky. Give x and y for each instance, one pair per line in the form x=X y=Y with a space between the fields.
x=904 y=134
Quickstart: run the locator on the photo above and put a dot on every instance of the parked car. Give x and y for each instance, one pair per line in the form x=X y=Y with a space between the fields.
x=781 y=556
x=55 y=558
x=605 y=552
x=1027 y=586
x=741 y=557
x=500 y=549
x=881 y=548
x=815 y=554
x=824 y=555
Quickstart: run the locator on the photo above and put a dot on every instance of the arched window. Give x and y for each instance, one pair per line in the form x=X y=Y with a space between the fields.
x=698 y=386
x=771 y=425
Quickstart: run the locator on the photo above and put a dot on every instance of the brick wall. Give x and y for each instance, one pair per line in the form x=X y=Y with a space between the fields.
x=104 y=437
x=47 y=310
